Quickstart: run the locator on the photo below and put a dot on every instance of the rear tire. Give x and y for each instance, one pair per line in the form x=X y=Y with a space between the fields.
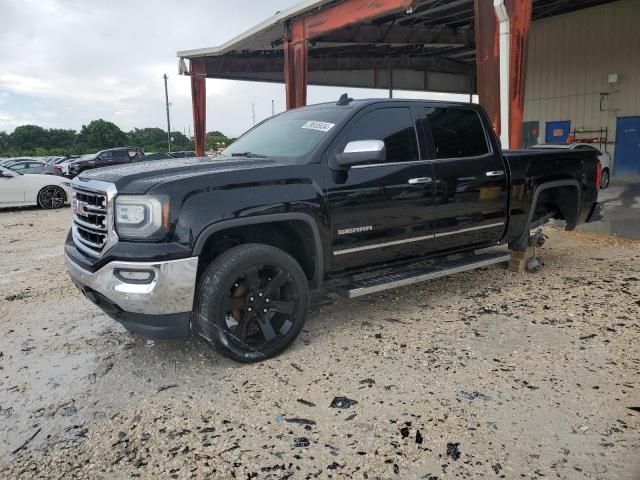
x=604 y=179
x=51 y=197
x=251 y=302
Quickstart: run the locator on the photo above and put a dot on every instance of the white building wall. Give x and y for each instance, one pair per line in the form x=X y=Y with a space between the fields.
x=569 y=60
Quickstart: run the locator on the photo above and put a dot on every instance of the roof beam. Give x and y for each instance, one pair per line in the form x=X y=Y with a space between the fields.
x=341 y=15
x=215 y=66
x=400 y=35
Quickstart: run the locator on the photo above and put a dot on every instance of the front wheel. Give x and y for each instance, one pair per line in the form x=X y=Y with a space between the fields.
x=604 y=179
x=252 y=302
x=51 y=197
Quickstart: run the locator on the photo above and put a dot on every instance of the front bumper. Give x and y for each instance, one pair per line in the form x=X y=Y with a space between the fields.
x=157 y=307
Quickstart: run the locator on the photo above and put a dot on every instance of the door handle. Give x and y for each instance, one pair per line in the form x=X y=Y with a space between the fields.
x=495 y=173
x=419 y=180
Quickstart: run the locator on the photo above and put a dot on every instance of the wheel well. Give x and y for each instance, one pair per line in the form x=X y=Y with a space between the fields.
x=562 y=201
x=294 y=237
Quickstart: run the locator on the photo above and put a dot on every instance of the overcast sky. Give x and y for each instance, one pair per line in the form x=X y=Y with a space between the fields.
x=64 y=63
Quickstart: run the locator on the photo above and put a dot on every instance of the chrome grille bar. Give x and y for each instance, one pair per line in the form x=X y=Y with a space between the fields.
x=93 y=227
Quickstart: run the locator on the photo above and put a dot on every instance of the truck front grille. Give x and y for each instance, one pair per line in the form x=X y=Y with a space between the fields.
x=92 y=220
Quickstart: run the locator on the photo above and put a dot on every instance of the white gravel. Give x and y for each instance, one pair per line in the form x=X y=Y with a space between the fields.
x=486 y=374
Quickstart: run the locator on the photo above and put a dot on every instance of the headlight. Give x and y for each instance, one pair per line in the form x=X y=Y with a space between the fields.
x=141 y=216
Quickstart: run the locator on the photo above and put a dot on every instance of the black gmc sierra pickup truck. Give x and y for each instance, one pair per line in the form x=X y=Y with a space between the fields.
x=356 y=196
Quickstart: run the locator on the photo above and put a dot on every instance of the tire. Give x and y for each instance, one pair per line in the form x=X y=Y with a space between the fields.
x=604 y=179
x=251 y=302
x=51 y=197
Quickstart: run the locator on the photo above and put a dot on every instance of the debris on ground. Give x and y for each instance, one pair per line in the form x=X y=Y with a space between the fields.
x=21 y=295
x=468 y=367
x=300 y=421
x=342 y=402
x=301 y=442
x=167 y=387
x=26 y=442
x=453 y=451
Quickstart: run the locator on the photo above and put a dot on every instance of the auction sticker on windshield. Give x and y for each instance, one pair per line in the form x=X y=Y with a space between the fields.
x=321 y=126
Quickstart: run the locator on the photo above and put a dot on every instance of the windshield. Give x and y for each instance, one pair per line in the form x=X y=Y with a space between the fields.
x=290 y=135
x=88 y=156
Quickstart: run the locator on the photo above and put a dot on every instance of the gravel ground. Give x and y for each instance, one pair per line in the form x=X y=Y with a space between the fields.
x=486 y=374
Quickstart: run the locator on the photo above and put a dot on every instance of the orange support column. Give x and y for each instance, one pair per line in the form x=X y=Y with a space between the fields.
x=199 y=104
x=295 y=66
x=488 y=58
x=520 y=16
x=301 y=30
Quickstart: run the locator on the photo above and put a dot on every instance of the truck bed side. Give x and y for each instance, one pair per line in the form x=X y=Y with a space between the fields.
x=549 y=181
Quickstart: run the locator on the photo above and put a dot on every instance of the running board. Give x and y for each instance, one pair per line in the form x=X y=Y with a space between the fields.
x=415 y=275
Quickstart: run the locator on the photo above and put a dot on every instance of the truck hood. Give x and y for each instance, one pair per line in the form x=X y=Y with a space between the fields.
x=139 y=177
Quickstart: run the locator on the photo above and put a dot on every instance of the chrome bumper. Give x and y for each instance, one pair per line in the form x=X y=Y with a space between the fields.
x=170 y=288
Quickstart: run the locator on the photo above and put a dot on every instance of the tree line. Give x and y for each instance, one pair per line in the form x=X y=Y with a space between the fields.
x=33 y=140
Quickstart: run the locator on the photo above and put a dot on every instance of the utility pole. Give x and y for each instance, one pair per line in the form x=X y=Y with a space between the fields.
x=273 y=110
x=253 y=112
x=166 y=99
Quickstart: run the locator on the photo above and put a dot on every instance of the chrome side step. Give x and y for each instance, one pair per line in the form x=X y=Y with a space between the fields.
x=415 y=275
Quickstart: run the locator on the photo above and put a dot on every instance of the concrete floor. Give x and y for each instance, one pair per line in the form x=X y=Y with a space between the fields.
x=621 y=209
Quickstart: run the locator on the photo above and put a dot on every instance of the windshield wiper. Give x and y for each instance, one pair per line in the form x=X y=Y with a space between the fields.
x=248 y=155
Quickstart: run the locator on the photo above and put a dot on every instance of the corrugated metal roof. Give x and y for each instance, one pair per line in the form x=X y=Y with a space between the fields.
x=259 y=37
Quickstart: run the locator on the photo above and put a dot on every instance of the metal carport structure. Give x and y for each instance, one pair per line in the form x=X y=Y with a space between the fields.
x=426 y=45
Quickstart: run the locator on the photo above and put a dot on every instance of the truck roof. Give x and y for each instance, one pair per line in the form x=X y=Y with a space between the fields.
x=370 y=101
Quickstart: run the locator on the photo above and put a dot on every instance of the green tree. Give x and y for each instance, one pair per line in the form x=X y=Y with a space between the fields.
x=181 y=141
x=151 y=139
x=4 y=142
x=59 y=139
x=216 y=139
x=97 y=135
x=26 y=138
x=101 y=134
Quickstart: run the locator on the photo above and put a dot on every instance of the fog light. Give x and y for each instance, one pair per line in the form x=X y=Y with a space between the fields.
x=134 y=276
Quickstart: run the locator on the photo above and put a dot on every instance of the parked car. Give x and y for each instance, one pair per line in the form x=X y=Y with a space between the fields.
x=62 y=159
x=356 y=197
x=155 y=156
x=8 y=161
x=604 y=157
x=30 y=167
x=104 y=158
x=47 y=191
x=26 y=166
x=183 y=154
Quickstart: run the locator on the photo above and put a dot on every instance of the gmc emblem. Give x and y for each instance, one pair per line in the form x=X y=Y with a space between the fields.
x=79 y=208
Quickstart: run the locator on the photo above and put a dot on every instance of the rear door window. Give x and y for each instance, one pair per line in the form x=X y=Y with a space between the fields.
x=455 y=132
x=394 y=126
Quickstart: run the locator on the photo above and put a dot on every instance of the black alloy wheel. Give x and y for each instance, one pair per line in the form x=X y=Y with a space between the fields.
x=51 y=197
x=252 y=302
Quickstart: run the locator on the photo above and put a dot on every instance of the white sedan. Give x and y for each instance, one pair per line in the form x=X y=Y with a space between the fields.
x=47 y=191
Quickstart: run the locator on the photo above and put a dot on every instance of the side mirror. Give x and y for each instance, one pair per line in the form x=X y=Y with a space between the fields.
x=362 y=151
